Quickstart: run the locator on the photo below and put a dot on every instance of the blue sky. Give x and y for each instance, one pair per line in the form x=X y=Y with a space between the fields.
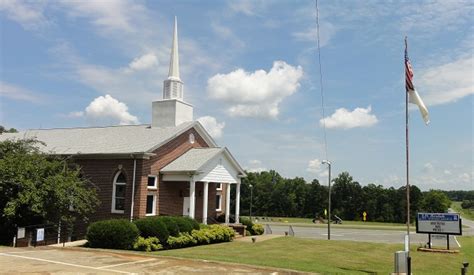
x=250 y=70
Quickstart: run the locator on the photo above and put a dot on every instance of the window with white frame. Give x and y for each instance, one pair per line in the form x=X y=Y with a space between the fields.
x=218 y=202
x=118 y=194
x=152 y=182
x=150 y=204
x=219 y=186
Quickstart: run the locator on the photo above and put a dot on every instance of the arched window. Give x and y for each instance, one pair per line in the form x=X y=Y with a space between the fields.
x=118 y=194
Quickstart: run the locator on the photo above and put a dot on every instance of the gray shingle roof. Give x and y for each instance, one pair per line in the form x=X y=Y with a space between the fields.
x=192 y=160
x=102 y=140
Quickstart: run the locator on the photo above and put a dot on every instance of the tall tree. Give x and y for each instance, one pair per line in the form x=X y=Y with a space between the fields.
x=36 y=188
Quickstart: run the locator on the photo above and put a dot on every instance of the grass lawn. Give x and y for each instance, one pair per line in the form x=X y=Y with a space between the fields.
x=328 y=256
x=468 y=213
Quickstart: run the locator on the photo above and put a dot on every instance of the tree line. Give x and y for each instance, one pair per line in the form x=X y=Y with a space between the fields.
x=273 y=195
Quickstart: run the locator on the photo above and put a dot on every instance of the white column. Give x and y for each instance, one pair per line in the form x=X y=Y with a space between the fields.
x=237 y=202
x=205 y=202
x=192 y=197
x=227 y=202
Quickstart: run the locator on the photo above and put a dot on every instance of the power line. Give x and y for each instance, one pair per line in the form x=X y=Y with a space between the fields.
x=321 y=84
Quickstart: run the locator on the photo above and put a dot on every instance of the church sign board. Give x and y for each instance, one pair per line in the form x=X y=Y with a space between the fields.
x=439 y=223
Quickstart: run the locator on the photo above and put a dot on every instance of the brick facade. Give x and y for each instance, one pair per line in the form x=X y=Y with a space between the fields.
x=101 y=173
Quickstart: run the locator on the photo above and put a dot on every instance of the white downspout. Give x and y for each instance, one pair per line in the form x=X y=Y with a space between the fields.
x=133 y=187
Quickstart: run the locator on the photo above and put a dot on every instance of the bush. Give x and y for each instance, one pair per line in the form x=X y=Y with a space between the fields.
x=247 y=233
x=258 y=229
x=184 y=224
x=152 y=227
x=182 y=240
x=115 y=233
x=148 y=244
x=171 y=225
x=193 y=222
x=247 y=222
x=466 y=204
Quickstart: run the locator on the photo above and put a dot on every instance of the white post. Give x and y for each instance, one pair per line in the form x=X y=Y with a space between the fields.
x=237 y=203
x=227 y=203
x=205 y=202
x=192 y=197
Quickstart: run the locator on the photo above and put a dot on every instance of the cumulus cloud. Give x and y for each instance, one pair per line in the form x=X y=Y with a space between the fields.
x=448 y=82
x=256 y=94
x=214 y=128
x=428 y=167
x=106 y=109
x=345 y=119
x=143 y=62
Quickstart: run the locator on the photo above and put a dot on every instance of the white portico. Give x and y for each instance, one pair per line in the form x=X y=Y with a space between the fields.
x=206 y=165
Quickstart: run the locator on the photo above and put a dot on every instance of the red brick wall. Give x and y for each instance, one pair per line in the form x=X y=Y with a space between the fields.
x=163 y=156
x=101 y=173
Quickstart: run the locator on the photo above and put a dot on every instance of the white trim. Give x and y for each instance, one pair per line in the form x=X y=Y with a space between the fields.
x=115 y=183
x=132 y=204
x=153 y=209
x=155 y=186
x=219 y=207
x=219 y=186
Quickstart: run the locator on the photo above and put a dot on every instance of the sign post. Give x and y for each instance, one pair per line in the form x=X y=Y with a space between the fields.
x=439 y=223
x=365 y=216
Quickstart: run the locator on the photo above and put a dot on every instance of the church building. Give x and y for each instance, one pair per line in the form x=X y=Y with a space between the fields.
x=169 y=167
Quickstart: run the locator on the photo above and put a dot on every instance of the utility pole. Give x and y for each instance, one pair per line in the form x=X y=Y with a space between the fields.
x=329 y=199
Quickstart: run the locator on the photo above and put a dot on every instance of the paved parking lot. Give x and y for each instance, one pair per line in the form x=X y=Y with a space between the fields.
x=47 y=260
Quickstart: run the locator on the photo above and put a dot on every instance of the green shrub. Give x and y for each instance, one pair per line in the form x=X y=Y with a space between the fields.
x=202 y=236
x=193 y=222
x=184 y=224
x=152 y=227
x=247 y=233
x=258 y=229
x=247 y=222
x=148 y=244
x=182 y=240
x=171 y=225
x=221 y=233
x=115 y=233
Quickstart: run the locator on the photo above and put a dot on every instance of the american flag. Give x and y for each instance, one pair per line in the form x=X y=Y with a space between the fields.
x=413 y=96
x=408 y=73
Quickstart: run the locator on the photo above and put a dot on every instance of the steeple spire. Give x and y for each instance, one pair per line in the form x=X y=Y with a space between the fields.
x=173 y=86
x=174 y=62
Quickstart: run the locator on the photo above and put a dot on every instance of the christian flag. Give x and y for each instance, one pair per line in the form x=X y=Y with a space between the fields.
x=413 y=96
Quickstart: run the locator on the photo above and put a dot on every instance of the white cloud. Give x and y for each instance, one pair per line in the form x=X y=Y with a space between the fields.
x=344 y=119
x=315 y=166
x=29 y=14
x=247 y=7
x=106 y=110
x=226 y=33
x=255 y=166
x=107 y=15
x=256 y=94
x=428 y=167
x=327 y=32
x=17 y=93
x=144 y=62
x=448 y=82
x=214 y=128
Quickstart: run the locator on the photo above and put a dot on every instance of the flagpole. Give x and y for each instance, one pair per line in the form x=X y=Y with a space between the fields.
x=407 y=159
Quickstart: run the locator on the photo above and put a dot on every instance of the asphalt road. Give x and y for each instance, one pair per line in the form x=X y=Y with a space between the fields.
x=364 y=235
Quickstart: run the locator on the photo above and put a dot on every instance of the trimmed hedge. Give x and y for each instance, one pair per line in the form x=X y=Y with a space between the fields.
x=213 y=234
x=252 y=228
x=258 y=229
x=170 y=223
x=152 y=227
x=115 y=233
x=184 y=224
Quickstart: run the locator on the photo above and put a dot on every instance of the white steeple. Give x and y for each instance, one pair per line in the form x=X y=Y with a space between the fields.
x=173 y=86
x=172 y=110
